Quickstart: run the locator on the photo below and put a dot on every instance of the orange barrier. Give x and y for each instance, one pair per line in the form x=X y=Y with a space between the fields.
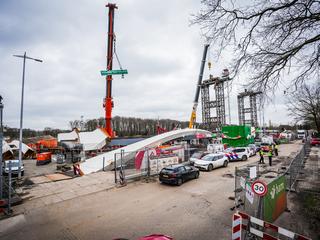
x=43 y=158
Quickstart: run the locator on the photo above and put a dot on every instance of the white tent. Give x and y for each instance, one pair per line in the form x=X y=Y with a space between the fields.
x=93 y=140
x=15 y=146
x=27 y=151
x=6 y=148
x=90 y=140
x=71 y=136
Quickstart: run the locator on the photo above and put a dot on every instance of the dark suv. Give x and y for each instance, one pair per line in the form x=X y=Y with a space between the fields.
x=178 y=174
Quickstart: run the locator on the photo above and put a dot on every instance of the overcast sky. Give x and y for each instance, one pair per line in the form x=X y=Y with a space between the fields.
x=155 y=42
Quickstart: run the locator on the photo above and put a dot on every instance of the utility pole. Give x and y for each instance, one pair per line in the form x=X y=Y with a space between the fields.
x=1 y=140
x=21 y=106
x=229 y=110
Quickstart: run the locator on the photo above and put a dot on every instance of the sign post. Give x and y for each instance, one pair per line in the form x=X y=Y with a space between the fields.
x=259 y=188
x=113 y=72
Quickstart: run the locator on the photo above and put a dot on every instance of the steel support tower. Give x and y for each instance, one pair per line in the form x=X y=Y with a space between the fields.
x=213 y=111
x=251 y=109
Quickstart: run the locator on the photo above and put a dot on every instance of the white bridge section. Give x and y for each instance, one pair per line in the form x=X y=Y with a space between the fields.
x=96 y=163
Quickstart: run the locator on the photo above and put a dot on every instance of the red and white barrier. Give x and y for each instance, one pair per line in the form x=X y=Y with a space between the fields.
x=240 y=217
x=236 y=227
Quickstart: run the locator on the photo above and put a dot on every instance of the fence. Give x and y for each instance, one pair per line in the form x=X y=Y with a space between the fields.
x=148 y=162
x=8 y=192
x=295 y=167
x=244 y=197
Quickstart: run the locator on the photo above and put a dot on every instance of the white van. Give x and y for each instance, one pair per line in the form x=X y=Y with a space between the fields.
x=14 y=167
x=301 y=134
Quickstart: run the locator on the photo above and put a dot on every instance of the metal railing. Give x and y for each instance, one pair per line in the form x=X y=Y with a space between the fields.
x=243 y=197
x=295 y=167
x=144 y=164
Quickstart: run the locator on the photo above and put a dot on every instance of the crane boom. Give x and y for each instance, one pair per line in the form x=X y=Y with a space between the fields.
x=196 y=97
x=108 y=103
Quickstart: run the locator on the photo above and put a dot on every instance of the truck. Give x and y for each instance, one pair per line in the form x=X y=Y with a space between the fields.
x=237 y=135
x=301 y=134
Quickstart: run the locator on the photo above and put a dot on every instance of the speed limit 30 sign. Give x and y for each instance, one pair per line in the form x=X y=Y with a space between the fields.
x=259 y=188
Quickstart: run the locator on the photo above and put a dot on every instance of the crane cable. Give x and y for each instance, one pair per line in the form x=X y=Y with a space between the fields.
x=209 y=58
x=115 y=53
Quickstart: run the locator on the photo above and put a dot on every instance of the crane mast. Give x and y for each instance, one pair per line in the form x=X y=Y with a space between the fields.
x=108 y=102
x=196 y=97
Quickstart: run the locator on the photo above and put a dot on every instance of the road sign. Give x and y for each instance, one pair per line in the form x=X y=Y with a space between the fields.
x=259 y=188
x=113 y=72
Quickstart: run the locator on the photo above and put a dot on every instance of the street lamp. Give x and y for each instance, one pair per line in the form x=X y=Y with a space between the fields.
x=21 y=107
x=1 y=139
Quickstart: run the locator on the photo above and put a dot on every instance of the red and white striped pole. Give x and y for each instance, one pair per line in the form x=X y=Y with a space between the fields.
x=236 y=227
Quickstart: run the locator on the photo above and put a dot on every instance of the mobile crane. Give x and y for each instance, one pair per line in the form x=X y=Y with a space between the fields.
x=108 y=102
x=196 y=97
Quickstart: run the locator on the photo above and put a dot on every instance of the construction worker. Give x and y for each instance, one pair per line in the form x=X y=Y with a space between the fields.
x=261 y=156
x=276 y=149
x=270 y=156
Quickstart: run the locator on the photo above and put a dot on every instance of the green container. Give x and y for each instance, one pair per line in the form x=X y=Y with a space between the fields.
x=237 y=136
x=275 y=201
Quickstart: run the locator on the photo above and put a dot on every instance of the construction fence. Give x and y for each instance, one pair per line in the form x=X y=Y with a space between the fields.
x=295 y=167
x=270 y=206
x=147 y=162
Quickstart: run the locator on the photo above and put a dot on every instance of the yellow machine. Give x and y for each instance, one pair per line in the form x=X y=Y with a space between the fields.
x=196 y=97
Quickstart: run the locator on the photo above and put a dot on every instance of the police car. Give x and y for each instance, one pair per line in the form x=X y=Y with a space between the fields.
x=238 y=153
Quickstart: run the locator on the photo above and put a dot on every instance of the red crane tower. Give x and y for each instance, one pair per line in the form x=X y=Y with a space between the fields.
x=108 y=102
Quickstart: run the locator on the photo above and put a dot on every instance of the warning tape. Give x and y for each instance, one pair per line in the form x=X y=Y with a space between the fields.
x=265 y=226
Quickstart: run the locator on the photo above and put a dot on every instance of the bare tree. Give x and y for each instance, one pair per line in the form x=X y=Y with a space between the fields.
x=304 y=105
x=271 y=39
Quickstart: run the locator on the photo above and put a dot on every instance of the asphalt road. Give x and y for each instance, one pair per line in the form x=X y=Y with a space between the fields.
x=199 y=209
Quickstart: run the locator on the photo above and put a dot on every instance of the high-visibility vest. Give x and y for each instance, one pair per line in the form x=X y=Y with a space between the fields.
x=270 y=154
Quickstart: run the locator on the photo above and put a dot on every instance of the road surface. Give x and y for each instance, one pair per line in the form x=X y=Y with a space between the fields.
x=199 y=209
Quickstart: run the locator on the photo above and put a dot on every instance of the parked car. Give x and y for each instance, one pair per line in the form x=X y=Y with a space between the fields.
x=150 y=237
x=238 y=153
x=315 y=141
x=211 y=161
x=196 y=156
x=178 y=174
x=215 y=148
x=253 y=149
x=156 y=237
x=14 y=167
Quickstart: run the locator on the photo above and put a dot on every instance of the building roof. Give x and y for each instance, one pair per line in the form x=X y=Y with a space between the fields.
x=124 y=141
x=70 y=136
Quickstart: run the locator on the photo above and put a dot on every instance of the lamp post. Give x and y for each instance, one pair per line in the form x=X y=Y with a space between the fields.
x=21 y=106
x=1 y=139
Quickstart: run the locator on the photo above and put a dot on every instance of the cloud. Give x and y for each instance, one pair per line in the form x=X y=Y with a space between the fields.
x=154 y=42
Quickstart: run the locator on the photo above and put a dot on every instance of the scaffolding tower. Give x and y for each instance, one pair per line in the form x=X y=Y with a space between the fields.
x=252 y=109
x=217 y=106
